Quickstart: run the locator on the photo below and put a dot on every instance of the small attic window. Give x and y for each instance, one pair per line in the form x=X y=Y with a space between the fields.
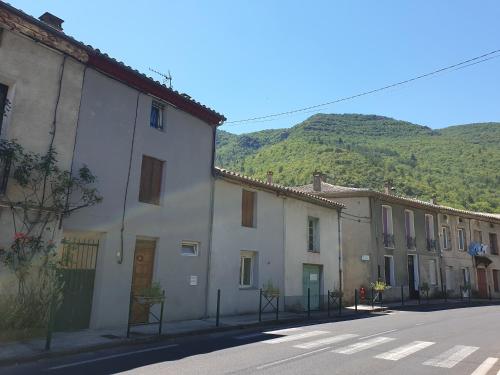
x=156 y=119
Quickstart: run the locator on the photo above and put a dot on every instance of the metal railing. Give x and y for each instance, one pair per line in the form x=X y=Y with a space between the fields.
x=388 y=240
x=431 y=244
x=411 y=242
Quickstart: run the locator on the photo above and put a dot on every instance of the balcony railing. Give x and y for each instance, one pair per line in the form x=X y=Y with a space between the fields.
x=388 y=240
x=431 y=244
x=411 y=242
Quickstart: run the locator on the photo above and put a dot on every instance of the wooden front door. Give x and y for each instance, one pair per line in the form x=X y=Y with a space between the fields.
x=481 y=283
x=142 y=277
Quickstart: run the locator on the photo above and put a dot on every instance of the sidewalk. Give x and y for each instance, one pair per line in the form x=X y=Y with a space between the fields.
x=89 y=340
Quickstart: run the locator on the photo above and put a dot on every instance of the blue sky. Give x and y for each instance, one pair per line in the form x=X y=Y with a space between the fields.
x=252 y=58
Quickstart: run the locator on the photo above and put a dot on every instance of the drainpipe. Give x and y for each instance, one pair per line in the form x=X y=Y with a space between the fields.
x=339 y=233
x=119 y=255
x=284 y=248
x=211 y=221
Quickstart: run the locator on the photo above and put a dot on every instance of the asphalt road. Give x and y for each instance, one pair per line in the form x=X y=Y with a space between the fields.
x=454 y=341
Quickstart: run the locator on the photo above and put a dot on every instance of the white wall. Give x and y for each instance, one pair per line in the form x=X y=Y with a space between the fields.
x=296 y=215
x=104 y=142
x=32 y=73
x=230 y=237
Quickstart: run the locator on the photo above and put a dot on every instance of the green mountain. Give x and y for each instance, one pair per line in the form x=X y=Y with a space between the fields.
x=458 y=164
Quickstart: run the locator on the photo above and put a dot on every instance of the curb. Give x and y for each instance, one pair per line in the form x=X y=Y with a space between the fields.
x=165 y=337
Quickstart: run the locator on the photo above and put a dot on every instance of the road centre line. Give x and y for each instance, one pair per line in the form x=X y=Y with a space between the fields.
x=377 y=334
x=292 y=358
x=73 y=364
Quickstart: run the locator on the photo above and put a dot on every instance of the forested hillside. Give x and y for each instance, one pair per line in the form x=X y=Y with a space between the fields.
x=459 y=164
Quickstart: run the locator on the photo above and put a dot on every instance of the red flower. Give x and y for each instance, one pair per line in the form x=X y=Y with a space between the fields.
x=19 y=236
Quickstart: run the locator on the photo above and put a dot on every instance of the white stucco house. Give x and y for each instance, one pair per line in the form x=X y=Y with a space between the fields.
x=265 y=233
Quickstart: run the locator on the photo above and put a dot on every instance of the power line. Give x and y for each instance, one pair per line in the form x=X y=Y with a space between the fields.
x=460 y=65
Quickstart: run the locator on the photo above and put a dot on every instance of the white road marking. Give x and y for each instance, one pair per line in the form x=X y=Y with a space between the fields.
x=451 y=357
x=283 y=331
x=292 y=358
x=377 y=334
x=485 y=366
x=298 y=336
x=325 y=341
x=73 y=364
x=405 y=350
x=355 y=348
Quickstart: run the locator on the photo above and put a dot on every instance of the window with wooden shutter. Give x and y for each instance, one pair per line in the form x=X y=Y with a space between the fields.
x=3 y=103
x=151 y=180
x=247 y=208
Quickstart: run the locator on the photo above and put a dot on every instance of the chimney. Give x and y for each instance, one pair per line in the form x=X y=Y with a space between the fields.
x=433 y=200
x=52 y=21
x=269 y=177
x=317 y=178
x=388 y=189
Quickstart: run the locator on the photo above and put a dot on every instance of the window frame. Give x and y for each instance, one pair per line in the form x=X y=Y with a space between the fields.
x=246 y=255
x=493 y=244
x=446 y=237
x=160 y=123
x=479 y=234
x=316 y=248
x=196 y=246
x=464 y=241
x=429 y=229
x=4 y=91
x=392 y=277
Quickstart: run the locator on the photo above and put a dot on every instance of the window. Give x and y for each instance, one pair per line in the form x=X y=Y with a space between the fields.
x=461 y=239
x=478 y=236
x=429 y=232
x=410 y=229
x=151 y=180
x=189 y=248
x=432 y=272
x=313 y=234
x=445 y=231
x=3 y=103
x=248 y=208
x=493 y=243
x=247 y=260
x=389 y=270
x=156 y=119
x=496 y=278
x=387 y=227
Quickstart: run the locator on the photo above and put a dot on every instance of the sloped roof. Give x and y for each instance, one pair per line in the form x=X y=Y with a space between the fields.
x=337 y=191
x=108 y=65
x=283 y=190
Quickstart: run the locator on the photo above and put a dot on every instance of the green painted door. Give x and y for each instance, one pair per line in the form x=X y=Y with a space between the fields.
x=311 y=279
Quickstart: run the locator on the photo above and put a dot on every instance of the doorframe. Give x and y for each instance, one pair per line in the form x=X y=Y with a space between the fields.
x=416 y=272
x=320 y=281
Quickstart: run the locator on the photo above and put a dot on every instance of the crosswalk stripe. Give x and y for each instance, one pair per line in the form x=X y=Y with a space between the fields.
x=283 y=331
x=325 y=341
x=451 y=357
x=404 y=351
x=363 y=345
x=298 y=336
x=485 y=366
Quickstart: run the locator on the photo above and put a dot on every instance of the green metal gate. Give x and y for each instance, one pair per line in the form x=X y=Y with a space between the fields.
x=77 y=270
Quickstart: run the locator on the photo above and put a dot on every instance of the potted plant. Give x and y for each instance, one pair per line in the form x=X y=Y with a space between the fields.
x=152 y=295
x=379 y=286
x=269 y=290
x=337 y=293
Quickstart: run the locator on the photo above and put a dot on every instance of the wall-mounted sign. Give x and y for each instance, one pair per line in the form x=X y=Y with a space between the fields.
x=313 y=277
x=365 y=258
x=193 y=280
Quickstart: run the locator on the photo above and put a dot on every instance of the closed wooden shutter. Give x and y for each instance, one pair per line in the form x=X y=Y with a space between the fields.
x=151 y=180
x=3 y=102
x=247 y=208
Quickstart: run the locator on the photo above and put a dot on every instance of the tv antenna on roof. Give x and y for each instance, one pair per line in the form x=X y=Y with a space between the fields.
x=167 y=78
